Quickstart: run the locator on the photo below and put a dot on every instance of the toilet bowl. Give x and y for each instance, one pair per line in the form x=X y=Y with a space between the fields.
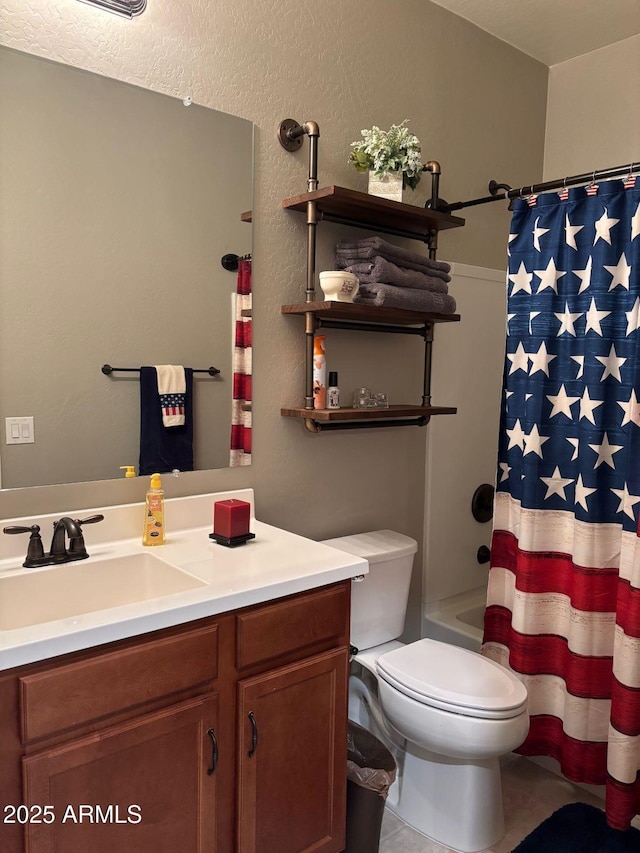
x=447 y=713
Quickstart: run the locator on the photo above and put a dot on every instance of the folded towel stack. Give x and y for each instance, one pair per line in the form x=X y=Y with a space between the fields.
x=396 y=277
x=408 y=298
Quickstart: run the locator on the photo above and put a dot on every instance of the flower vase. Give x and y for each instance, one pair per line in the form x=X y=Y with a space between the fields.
x=390 y=186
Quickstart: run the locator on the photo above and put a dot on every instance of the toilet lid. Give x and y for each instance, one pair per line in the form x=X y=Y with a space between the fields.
x=447 y=676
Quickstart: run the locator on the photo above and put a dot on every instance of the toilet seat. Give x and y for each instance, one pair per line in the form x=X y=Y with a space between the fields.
x=453 y=679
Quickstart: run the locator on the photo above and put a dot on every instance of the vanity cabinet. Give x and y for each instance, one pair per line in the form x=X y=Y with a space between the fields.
x=118 y=743
x=226 y=734
x=145 y=775
x=291 y=758
x=292 y=723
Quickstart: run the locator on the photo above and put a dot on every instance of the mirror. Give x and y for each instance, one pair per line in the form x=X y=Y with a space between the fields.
x=116 y=208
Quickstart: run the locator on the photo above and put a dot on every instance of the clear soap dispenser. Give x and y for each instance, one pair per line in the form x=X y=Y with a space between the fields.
x=153 y=533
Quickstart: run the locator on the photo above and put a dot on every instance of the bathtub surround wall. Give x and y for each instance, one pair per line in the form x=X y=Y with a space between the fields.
x=461 y=452
x=478 y=106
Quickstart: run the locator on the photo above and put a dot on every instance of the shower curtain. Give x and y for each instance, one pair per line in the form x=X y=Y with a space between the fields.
x=240 y=453
x=563 y=608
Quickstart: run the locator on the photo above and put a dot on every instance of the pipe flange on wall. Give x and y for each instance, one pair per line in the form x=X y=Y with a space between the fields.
x=288 y=134
x=482 y=503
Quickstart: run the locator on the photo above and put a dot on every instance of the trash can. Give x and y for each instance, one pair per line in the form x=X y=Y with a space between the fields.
x=371 y=770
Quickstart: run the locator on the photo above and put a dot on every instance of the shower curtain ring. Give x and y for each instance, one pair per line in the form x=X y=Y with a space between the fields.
x=630 y=180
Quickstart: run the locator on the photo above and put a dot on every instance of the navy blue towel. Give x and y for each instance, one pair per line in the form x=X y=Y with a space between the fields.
x=164 y=449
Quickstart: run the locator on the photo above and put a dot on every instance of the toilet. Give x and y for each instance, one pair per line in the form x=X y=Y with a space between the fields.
x=446 y=713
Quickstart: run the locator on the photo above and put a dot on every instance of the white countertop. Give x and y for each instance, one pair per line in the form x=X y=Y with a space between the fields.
x=274 y=564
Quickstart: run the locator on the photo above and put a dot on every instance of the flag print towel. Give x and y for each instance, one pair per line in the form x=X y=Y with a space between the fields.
x=163 y=449
x=172 y=388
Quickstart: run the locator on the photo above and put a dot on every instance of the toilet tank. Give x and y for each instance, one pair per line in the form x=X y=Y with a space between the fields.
x=379 y=602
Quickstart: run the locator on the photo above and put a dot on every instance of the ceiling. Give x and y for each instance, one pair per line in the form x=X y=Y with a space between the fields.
x=552 y=31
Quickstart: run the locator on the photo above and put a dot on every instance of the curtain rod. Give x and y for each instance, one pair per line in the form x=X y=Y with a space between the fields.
x=533 y=189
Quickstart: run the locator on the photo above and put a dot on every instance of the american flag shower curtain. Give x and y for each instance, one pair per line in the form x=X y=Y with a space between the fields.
x=241 y=418
x=563 y=608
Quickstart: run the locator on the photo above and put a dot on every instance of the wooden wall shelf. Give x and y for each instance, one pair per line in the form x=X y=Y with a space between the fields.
x=338 y=204
x=357 y=312
x=362 y=210
x=345 y=414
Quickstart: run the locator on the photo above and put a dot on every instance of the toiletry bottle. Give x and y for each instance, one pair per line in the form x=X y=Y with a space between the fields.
x=129 y=470
x=153 y=533
x=333 y=392
x=319 y=373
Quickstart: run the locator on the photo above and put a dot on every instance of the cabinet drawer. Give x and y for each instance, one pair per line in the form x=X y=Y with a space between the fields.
x=71 y=695
x=293 y=624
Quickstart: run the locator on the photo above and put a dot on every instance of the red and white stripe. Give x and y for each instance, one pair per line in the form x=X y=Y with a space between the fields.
x=241 y=420
x=563 y=612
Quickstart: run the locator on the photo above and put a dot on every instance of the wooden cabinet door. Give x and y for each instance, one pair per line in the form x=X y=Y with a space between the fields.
x=292 y=760
x=158 y=763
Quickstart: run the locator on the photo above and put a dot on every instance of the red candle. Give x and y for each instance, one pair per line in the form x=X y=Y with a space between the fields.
x=231 y=518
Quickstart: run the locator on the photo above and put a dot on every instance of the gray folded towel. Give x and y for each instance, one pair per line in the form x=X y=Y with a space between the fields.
x=370 y=247
x=384 y=272
x=405 y=297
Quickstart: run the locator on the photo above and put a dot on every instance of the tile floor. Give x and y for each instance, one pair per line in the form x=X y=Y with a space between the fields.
x=530 y=794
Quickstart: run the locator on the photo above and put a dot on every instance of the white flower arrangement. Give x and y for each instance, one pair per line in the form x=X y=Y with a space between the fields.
x=394 y=150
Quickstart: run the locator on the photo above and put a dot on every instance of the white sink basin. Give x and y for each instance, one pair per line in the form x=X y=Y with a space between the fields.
x=72 y=589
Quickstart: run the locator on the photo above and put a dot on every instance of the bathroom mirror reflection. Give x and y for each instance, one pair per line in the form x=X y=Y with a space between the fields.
x=117 y=205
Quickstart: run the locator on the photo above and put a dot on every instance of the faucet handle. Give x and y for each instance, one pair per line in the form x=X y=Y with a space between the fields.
x=35 y=528
x=35 y=552
x=91 y=520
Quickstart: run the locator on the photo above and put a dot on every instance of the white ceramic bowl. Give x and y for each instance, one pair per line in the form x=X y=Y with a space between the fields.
x=339 y=285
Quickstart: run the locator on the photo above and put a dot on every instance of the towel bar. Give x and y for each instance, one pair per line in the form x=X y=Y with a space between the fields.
x=108 y=370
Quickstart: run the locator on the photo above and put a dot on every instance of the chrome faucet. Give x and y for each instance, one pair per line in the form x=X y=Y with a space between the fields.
x=64 y=529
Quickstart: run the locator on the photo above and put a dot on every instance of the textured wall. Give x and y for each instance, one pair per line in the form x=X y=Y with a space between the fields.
x=593 y=121
x=477 y=105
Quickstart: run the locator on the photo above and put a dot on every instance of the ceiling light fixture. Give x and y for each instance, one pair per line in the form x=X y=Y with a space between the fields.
x=126 y=8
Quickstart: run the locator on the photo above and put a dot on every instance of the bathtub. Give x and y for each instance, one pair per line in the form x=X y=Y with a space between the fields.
x=458 y=620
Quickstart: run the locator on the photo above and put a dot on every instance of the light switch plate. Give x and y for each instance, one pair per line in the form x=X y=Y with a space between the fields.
x=20 y=430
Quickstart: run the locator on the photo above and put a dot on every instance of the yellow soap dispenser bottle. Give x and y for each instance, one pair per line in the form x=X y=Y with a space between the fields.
x=153 y=533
